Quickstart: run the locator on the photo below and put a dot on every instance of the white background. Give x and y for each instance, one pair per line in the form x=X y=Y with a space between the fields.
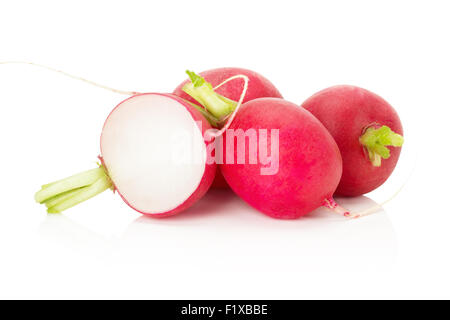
x=221 y=248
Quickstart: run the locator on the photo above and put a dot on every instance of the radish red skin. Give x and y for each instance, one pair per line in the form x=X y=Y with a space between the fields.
x=210 y=166
x=219 y=181
x=346 y=111
x=310 y=164
x=259 y=87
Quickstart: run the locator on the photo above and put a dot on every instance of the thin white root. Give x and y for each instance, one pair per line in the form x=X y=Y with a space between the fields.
x=333 y=206
x=378 y=206
x=241 y=99
x=71 y=76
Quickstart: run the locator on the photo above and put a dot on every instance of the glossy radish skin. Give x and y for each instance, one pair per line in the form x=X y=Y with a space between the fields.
x=153 y=154
x=259 y=87
x=310 y=164
x=347 y=112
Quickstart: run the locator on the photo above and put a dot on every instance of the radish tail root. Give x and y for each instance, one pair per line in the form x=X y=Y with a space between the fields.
x=331 y=204
x=241 y=99
x=95 y=84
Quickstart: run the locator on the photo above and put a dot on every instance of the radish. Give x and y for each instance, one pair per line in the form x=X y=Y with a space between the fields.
x=153 y=154
x=309 y=161
x=230 y=92
x=367 y=130
x=300 y=172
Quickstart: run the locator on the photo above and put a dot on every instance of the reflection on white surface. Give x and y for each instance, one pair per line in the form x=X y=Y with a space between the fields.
x=222 y=233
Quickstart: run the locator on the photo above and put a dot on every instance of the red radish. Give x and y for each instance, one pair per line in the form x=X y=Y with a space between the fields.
x=259 y=87
x=310 y=164
x=300 y=172
x=153 y=154
x=367 y=130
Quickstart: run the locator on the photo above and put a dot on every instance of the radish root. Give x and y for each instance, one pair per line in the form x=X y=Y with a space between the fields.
x=333 y=206
x=95 y=84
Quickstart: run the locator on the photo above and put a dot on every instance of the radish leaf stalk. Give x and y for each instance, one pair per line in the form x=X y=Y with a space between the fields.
x=66 y=193
x=219 y=106
x=376 y=141
x=208 y=116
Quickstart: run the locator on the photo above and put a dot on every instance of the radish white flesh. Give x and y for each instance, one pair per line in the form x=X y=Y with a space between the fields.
x=154 y=155
x=140 y=147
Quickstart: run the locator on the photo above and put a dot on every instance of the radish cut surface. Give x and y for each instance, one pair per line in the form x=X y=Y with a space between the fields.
x=154 y=152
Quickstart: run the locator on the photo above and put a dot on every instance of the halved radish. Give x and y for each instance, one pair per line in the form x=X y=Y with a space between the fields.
x=153 y=154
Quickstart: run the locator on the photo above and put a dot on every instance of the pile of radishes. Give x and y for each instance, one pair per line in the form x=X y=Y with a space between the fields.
x=162 y=152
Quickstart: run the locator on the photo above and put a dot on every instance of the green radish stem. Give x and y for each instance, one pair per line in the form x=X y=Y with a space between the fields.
x=211 y=119
x=222 y=109
x=219 y=106
x=375 y=141
x=61 y=197
x=66 y=193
